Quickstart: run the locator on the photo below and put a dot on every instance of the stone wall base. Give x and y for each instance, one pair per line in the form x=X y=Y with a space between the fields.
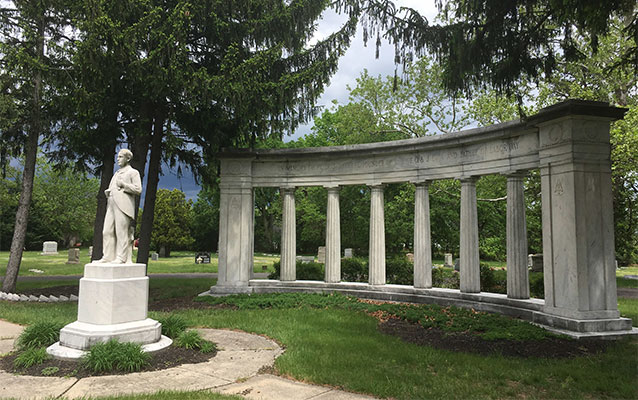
x=531 y=310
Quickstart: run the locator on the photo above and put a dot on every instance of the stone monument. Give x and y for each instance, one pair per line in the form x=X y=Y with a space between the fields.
x=449 y=260
x=74 y=256
x=321 y=254
x=348 y=253
x=113 y=296
x=49 y=248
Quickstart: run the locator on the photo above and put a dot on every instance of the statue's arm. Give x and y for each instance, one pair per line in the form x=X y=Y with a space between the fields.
x=135 y=184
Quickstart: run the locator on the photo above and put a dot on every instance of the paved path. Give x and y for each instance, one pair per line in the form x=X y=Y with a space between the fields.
x=234 y=370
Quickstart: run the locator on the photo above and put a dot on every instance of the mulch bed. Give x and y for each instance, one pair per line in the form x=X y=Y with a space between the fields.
x=470 y=343
x=169 y=357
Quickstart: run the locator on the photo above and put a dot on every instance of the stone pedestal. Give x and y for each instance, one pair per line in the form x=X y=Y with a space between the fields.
x=49 y=248
x=112 y=304
x=74 y=256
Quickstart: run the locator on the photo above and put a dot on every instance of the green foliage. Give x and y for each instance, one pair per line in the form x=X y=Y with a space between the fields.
x=399 y=270
x=40 y=334
x=30 y=357
x=446 y=278
x=115 y=356
x=171 y=225
x=310 y=271
x=354 y=270
x=204 y=226
x=48 y=371
x=193 y=340
x=536 y=285
x=172 y=325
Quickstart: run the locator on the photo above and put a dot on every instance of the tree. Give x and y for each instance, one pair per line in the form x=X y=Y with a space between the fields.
x=496 y=43
x=172 y=222
x=31 y=32
x=205 y=219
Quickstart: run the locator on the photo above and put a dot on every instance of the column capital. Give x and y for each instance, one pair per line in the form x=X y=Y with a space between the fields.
x=332 y=187
x=421 y=182
x=468 y=179
x=516 y=174
x=288 y=188
x=378 y=186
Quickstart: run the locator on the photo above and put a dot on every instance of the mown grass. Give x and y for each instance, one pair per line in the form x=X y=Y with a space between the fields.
x=331 y=345
x=178 y=262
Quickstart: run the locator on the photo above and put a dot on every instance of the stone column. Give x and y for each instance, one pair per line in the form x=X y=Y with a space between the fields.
x=333 y=237
x=578 y=223
x=469 y=251
x=236 y=213
x=422 y=241
x=288 y=236
x=517 y=273
x=377 y=237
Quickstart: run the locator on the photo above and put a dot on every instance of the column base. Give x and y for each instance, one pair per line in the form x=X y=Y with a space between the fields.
x=81 y=335
x=224 y=290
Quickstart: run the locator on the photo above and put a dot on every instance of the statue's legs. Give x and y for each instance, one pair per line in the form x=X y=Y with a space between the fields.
x=108 y=233
x=123 y=250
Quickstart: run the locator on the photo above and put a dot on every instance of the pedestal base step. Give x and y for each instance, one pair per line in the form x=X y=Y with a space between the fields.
x=60 y=352
x=81 y=335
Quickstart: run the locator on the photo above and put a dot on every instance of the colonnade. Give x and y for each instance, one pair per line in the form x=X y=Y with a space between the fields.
x=567 y=142
x=517 y=271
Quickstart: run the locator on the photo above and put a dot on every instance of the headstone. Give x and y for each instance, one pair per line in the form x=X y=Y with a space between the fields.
x=321 y=255
x=457 y=264
x=49 y=248
x=74 y=256
x=154 y=256
x=449 y=260
x=616 y=261
x=410 y=257
x=203 y=257
x=305 y=259
x=535 y=261
x=162 y=252
x=90 y=252
x=348 y=253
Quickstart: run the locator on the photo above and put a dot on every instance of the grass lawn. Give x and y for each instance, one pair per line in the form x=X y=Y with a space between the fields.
x=178 y=262
x=342 y=347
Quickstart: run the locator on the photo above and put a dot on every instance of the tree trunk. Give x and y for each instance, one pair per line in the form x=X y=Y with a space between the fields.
x=151 y=188
x=139 y=145
x=30 y=154
x=108 y=163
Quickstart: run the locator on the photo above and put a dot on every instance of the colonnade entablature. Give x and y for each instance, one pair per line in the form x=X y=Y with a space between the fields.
x=567 y=142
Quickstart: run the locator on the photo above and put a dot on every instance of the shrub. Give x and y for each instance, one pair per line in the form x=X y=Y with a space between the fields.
x=488 y=280
x=48 y=371
x=40 y=334
x=113 y=355
x=31 y=356
x=536 y=285
x=446 y=278
x=354 y=270
x=172 y=325
x=304 y=271
x=399 y=270
x=193 y=340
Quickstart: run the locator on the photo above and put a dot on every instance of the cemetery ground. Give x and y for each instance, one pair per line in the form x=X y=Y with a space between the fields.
x=375 y=349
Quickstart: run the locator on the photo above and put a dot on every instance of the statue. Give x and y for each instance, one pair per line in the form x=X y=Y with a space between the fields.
x=119 y=227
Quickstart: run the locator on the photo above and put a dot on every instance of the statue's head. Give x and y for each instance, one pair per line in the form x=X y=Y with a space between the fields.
x=124 y=157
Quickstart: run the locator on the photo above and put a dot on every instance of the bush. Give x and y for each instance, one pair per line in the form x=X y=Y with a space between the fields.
x=399 y=270
x=40 y=334
x=31 y=356
x=446 y=278
x=172 y=325
x=113 y=355
x=305 y=271
x=354 y=270
x=193 y=340
x=536 y=285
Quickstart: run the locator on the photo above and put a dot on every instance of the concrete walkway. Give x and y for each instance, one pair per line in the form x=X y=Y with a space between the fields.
x=234 y=370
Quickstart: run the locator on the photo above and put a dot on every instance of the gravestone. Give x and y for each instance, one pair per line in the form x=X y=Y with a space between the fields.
x=154 y=256
x=449 y=260
x=457 y=264
x=74 y=256
x=348 y=253
x=90 y=252
x=49 y=248
x=410 y=257
x=321 y=255
x=535 y=261
x=203 y=257
x=305 y=259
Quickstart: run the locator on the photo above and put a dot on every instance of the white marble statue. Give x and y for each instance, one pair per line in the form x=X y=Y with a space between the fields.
x=119 y=227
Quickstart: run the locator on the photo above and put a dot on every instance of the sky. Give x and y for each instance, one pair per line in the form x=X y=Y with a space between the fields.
x=357 y=58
